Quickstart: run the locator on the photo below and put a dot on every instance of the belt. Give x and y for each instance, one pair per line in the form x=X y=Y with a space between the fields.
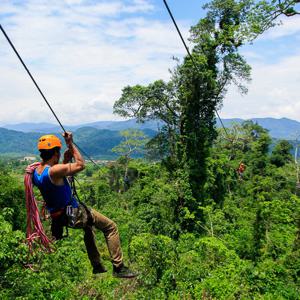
x=57 y=213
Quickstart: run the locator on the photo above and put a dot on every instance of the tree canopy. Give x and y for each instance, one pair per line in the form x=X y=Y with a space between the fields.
x=189 y=223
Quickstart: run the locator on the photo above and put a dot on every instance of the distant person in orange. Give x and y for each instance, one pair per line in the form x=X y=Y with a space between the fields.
x=241 y=169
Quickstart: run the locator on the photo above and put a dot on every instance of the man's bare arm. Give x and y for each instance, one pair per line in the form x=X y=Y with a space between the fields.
x=68 y=169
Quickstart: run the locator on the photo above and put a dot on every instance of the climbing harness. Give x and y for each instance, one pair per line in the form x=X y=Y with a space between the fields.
x=90 y=220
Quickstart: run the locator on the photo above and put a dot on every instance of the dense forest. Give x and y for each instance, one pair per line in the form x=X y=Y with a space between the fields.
x=244 y=246
x=193 y=225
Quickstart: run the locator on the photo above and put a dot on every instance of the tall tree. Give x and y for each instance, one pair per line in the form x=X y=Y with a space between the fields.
x=202 y=88
x=156 y=101
x=187 y=103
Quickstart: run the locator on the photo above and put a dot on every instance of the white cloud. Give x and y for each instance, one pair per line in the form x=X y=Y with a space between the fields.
x=82 y=54
x=289 y=26
x=274 y=92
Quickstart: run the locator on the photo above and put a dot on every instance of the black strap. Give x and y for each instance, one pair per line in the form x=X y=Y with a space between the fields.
x=90 y=221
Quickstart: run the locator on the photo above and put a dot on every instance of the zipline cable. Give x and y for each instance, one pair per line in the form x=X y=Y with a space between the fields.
x=196 y=66
x=86 y=155
x=37 y=86
x=28 y=72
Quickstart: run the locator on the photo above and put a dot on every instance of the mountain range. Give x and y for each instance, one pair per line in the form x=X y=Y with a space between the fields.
x=109 y=125
x=96 y=142
x=283 y=128
x=99 y=138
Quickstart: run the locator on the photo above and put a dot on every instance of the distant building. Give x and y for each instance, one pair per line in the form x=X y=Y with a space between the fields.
x=29 y=158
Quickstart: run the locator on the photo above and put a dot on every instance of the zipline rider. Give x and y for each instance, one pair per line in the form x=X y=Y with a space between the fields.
x=51 y=179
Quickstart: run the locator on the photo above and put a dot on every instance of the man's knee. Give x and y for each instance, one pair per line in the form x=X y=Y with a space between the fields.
x=113 y=226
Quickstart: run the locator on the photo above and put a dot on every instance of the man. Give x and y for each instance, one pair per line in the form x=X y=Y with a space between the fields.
x=51 y=179
x=241 y=169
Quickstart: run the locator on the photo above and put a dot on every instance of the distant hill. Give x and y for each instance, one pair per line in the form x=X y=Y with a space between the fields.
x=98 y=138
x=110 y=125
x=96 y=142
x=279 y=128
x=17 y=142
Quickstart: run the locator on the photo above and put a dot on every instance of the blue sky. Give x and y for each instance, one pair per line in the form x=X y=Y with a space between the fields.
x=83 y=53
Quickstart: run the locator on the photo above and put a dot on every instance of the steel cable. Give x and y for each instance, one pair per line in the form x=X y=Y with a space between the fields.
x=40 y=91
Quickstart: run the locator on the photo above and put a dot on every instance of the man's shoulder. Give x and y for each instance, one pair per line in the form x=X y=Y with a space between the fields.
x=58 y=172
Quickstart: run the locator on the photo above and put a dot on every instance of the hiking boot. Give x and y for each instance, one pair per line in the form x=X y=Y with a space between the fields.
x=123 y=272
x=99 y=268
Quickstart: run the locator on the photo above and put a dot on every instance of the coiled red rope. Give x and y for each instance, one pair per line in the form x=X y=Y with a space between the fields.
x=35 y=230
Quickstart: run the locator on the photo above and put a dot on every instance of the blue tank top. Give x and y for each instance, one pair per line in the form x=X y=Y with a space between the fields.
x=55 y=196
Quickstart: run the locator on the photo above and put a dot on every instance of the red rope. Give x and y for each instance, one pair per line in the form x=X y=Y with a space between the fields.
x=35 y=230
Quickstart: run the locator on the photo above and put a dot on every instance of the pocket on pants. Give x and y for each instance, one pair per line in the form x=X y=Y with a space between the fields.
x=81 y=217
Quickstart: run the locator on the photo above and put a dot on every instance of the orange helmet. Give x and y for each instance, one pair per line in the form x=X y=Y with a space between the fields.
x=48 y=141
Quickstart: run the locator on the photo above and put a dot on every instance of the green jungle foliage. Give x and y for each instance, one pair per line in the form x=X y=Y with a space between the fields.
x=192 y=224
x=248 y=247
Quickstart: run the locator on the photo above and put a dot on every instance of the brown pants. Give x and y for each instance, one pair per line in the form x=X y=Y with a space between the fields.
x=106 y=225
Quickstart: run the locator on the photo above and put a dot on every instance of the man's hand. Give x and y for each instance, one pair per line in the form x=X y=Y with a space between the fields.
x=68 y=136
x=68 y=155
x=59 y=171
